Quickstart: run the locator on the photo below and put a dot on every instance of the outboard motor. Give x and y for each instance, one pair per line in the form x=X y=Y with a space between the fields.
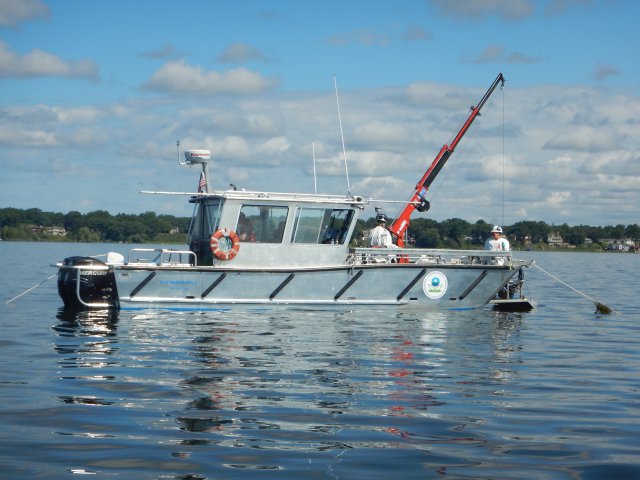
x=86 y=282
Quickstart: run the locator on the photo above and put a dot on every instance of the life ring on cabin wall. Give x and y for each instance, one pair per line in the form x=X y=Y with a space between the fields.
x=225 y=244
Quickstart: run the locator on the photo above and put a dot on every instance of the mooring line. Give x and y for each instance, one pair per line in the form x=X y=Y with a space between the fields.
x=598 y=304
x=27 y=291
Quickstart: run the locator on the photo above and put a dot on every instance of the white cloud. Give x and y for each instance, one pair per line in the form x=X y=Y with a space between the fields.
x=168 y=50
x=38 y=63
x=29 y=114
x=557 y=7
x=367 y=37
x=558 y=198
x=275 y=145
x=79 y=114
x=415 y=33
x=511 y=10
x=492 y=53
x=364 y=163
x=559 y=164
x=603 y=71
x=498 y=53
x=381 y=135
x=227 y=122
x=240 y=52
x=584 y=139
x=238 y=174
x=561 y=160
x=435 y=96
x=89 y=137
x=13 y=12
x=23 y=137
x=180 y=77
x=44 y=114
x=618 y=183
x=377 y=187
x=27 y=137
x=517 y=57
x=373 y=38
x=229 y=148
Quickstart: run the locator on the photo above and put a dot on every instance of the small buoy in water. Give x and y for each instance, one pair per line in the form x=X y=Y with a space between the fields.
x=602 y=308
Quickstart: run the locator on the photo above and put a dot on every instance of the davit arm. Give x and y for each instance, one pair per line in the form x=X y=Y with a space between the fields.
x=418 y=200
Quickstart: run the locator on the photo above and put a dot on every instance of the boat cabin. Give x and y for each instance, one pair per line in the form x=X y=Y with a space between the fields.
x=272 y=230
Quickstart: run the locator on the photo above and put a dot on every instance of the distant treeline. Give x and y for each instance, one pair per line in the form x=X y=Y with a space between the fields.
x=458 y=233
x=100 y=226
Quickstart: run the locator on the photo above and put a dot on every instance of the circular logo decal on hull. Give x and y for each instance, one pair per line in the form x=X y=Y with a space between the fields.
x=435 y=285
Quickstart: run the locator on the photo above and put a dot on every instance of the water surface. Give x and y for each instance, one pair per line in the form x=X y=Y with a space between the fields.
x=368 y=393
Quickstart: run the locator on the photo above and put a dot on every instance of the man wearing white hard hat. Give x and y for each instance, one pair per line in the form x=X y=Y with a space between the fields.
x=380 y=237
x=497 y=243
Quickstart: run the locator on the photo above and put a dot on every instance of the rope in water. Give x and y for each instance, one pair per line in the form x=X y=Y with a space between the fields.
x=32 y=288
x=45 y=280
x=574 y=289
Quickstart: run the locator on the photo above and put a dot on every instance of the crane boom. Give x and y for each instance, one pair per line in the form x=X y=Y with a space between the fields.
x=418 y=200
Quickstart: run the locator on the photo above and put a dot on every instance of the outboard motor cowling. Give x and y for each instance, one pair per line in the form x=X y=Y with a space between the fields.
x=86 y=282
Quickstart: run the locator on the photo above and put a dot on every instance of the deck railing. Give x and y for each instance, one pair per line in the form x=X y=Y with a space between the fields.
x=362 y=256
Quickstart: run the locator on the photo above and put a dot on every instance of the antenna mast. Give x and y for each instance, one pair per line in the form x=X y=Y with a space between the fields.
x=344 y=151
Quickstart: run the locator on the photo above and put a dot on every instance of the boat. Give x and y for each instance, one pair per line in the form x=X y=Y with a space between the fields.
x=261 y=248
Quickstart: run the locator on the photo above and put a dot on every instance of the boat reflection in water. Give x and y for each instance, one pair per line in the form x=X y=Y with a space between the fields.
x=87 y=322
x=256 y=389
x=318 y=375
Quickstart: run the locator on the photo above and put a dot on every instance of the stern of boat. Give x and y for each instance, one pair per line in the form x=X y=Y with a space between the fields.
x=87 y=283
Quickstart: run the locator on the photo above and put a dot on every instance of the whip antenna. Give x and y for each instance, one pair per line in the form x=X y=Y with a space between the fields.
x=344 y=151
x=315 y=182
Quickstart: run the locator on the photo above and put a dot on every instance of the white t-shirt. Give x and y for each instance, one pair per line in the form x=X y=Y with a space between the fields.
x=380 y=237
x=499 y=245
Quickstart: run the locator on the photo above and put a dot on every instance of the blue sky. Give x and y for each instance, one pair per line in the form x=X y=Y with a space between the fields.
x=94 y=95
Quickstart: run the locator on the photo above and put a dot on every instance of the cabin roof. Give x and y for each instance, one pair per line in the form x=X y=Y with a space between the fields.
x=354 y=200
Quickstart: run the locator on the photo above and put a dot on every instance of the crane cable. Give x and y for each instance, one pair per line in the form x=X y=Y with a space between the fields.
x=503 y=158
x=454 y=158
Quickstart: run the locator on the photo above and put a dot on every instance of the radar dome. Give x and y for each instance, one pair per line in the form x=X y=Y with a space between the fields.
x=197 y=156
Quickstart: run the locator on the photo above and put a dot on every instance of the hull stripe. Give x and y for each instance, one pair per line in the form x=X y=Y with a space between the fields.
x=473 y=285
x=281 y=286
x=348 y=284
x=411 y=284
x=213 y=285
x=142 y=284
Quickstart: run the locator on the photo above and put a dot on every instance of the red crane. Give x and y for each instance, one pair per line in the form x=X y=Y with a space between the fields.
x=418 y=200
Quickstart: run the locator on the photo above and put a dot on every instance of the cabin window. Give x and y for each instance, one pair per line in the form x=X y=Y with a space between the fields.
x=260 y=223
x=321 y=225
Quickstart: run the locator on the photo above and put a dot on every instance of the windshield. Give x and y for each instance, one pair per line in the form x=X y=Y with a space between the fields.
x=206 y=218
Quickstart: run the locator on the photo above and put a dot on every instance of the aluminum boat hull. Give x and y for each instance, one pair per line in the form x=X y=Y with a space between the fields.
x=391 y=284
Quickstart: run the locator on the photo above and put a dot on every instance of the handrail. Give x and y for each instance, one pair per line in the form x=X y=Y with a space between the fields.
x=161 y=254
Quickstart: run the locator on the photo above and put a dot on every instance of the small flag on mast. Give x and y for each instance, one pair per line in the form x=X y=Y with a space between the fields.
x=202 y=185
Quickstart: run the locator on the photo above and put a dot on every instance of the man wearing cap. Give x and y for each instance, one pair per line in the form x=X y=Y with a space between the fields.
x=497 y=243
x=380 y=236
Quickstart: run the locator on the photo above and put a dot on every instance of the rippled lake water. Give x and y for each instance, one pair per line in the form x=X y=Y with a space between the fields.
x=361 y=394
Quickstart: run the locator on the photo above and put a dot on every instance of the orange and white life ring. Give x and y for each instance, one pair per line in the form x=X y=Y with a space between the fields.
x=225 y=244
